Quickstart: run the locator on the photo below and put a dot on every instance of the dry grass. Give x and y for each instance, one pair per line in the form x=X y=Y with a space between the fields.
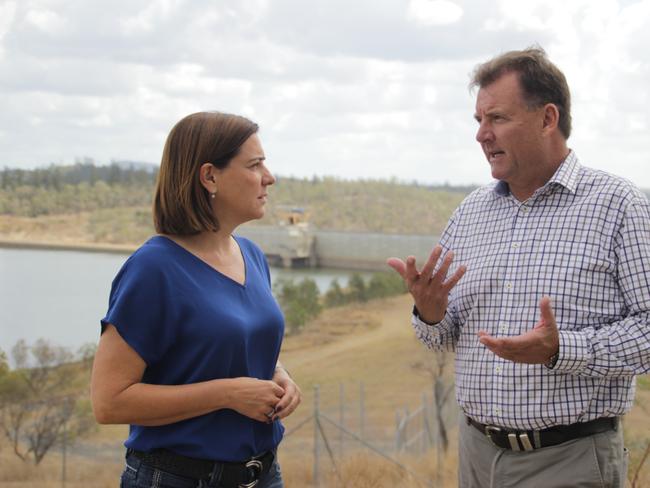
x=80 y=472
x=371 y=343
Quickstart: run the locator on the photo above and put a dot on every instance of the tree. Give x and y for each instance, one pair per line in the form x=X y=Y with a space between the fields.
x=335 y=296
x=385 y=285
x=434 y=366
x=39 y=400
x=86 y=354
x=299 y=302
x=358 y=291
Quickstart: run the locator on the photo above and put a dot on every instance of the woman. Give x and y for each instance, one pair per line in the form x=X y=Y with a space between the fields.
x=188 y=354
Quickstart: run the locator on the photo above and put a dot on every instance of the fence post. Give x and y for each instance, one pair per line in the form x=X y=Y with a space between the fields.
x=362 y=409
x=63 y=455
x=341 y=416
x=397 y=432
x=316 y=423
x=436 y=437
x=405 y=430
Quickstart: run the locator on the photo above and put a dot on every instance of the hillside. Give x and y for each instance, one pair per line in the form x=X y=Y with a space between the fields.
x=84 y=203
x=369 y=346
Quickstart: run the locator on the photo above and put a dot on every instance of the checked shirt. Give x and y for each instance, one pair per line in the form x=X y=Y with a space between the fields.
x=584 y=240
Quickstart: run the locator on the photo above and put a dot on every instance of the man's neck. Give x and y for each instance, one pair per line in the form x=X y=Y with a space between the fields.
x=523 y=190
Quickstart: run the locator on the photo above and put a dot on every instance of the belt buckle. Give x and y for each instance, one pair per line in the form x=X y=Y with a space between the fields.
x=254 y=465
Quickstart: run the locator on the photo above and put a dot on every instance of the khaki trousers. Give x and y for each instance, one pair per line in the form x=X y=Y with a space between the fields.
x=597 y=461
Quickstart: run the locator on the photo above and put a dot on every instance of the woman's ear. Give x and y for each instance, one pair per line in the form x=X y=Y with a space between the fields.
x=208 y=178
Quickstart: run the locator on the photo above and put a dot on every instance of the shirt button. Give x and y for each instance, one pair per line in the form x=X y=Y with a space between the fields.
x=503 y=328
x=524 y=209
x=515 y=245
x=508 y=286
x=497 y=369
x=497 y=410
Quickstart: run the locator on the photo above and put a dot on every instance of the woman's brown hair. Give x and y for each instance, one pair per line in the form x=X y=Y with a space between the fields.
x=181 y=204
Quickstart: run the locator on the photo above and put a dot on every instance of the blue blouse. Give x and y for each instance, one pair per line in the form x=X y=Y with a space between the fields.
x=190 y=323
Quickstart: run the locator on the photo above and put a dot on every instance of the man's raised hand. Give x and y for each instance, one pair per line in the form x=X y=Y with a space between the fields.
x=429 y=290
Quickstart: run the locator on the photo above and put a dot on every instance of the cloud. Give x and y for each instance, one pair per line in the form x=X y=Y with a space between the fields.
x=365 y=88
x=433 y=12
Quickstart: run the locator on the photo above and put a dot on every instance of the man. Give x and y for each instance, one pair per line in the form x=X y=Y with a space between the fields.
x=551 y=319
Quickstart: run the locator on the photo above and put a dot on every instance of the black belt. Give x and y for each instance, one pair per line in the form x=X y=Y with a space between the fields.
x=528 y=440
x=245 y=474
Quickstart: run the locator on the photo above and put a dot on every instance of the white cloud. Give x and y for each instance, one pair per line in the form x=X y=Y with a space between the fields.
x=371 y=88
x=46 y=20
x=433 y=12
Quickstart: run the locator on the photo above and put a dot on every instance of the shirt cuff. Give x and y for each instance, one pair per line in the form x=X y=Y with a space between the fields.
x=418 y=319
x=574 y=352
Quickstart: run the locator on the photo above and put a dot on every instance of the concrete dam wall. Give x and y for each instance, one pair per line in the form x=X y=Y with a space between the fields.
x=300 y=245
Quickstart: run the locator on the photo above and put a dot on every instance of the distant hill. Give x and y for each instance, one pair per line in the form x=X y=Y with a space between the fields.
x=123 y=190
x=113 y=203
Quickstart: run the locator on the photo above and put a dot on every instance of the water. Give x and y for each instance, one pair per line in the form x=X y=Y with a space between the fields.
x=61 y=295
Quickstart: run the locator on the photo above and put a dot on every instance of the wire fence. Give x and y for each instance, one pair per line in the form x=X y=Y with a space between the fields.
x=334 y=431
x=331 y=431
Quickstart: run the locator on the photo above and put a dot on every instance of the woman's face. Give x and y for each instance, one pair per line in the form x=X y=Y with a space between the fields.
x=241 y=186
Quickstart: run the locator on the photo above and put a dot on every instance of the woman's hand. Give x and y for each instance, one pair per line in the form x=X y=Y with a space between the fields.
x=292 y=394
x=257 y=399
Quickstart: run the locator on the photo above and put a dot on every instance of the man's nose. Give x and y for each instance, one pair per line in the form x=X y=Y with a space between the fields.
x=484 y=133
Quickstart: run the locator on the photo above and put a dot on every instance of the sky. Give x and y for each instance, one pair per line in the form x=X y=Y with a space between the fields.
x=346 y=88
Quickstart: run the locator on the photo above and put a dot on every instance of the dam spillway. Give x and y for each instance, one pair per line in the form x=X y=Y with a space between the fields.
x=301 y=245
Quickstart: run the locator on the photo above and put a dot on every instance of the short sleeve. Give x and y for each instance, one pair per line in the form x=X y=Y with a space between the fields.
x=139 y=308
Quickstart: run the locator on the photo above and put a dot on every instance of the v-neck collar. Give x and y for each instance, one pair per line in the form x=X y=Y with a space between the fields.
x=204 y=263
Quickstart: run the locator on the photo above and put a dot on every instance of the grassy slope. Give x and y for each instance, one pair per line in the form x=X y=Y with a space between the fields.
x=372 y=343
x=362 y=206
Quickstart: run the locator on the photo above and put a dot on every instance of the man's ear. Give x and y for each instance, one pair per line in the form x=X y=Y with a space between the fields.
x=551 y=117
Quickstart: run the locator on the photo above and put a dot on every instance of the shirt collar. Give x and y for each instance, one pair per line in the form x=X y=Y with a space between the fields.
x=566 y=176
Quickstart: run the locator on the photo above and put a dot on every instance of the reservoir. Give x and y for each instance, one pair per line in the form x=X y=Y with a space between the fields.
x=60 y=296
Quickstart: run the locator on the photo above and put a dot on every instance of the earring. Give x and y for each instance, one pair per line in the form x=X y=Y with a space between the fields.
x=213 y=195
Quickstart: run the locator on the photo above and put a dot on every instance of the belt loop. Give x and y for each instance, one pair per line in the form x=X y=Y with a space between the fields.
x=512 y=439
x=215 y=475
x=525 y=441
x=536 y=439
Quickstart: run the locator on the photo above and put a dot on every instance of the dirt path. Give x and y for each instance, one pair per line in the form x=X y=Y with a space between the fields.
x=394 y=317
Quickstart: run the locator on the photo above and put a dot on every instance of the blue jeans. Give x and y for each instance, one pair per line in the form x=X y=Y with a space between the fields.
x=140 y=475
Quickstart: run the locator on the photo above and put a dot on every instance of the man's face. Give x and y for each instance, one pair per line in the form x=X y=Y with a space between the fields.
x=510 y=133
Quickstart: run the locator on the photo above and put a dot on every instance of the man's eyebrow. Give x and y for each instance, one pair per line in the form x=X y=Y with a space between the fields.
x=257 y=158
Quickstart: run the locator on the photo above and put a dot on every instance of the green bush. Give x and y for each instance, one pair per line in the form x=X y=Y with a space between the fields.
x=379 y=285
x=385 y=285
x=335 y=295
x=357 y=289
x=300 y=302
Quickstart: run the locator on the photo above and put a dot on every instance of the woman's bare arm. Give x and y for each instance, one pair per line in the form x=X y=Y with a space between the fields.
x=119 y=396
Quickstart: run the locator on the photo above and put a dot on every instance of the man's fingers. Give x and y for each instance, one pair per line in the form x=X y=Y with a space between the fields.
x=411 y=271
x=398 y=265
x=546 y=310
x=441 y=274
x=451 y=282
x=430 y=265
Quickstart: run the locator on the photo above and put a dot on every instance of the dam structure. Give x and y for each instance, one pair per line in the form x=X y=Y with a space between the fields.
x=295 y=245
